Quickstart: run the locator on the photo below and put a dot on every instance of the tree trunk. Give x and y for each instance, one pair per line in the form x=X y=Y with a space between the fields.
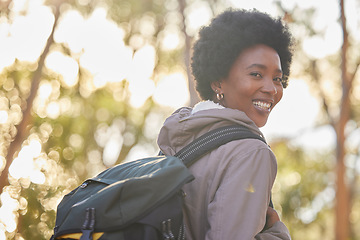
x=23 y=127
x=194 y=97
x=342 y=207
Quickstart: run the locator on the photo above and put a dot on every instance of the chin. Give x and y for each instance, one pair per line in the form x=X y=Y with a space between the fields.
x=261 y=124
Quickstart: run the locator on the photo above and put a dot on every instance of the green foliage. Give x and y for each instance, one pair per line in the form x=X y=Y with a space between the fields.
x=304 y=190
x=73 y=138
x=70 y=151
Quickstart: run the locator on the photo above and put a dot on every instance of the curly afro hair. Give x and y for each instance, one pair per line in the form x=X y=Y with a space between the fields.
x=228 y=34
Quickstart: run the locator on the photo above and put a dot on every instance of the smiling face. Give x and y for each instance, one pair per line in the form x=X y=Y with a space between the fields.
x=253 y=84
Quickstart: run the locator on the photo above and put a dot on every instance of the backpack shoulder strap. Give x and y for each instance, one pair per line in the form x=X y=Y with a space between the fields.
x=213 y=139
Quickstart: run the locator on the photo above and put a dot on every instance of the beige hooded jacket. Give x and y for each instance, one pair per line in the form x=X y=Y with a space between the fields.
x=230 y=195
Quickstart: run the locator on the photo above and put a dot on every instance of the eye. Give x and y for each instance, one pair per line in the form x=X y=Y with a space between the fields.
x=256 y=74
x=278 y=80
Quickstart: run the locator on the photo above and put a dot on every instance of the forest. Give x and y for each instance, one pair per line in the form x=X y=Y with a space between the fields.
x=87 y=84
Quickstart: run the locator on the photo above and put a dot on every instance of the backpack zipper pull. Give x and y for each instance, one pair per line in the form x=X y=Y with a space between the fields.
x=168 y=224
x=166 y=230
x=88 y=226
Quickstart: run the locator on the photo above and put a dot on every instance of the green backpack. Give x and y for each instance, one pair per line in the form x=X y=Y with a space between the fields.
x=136 y=200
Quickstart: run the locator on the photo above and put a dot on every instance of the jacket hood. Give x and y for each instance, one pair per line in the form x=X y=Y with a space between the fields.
x=186 y=124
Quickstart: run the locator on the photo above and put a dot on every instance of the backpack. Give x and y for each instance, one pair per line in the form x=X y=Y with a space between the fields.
x=141 y=199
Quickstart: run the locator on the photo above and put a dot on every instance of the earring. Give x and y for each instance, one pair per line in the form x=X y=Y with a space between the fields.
x=219 y=96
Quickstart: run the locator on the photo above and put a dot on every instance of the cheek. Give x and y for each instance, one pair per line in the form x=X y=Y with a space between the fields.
x=279 y=94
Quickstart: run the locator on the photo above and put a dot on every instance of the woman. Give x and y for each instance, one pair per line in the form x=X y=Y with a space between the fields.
x=241 y=63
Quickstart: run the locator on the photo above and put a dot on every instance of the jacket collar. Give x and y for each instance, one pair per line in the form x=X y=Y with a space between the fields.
x=206 y=105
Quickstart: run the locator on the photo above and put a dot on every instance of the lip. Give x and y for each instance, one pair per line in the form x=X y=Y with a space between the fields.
x=263 y=105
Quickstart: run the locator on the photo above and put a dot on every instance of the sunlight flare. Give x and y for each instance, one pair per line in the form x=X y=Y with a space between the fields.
x=172 y=91
x=64 y=65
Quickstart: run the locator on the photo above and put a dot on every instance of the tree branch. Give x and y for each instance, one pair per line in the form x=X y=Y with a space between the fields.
x=352 y=76
x=315 y=74
x=4 y=6
x=23 y=127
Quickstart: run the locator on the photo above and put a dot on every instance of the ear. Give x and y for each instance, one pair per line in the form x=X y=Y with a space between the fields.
x=216 y=86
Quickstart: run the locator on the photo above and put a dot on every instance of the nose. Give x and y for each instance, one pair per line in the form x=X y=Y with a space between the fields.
x=269 y=86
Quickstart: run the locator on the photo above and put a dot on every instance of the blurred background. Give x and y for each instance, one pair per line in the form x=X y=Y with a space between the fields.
x=87 y=84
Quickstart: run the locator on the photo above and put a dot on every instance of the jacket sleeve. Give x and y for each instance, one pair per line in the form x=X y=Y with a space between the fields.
x=240 y=201
x=278 y=231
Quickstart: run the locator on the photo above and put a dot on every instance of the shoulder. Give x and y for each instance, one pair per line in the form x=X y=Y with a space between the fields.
x=245 y=148
x=246 y=157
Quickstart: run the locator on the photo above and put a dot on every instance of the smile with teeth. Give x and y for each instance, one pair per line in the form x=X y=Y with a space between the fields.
x=263 y=105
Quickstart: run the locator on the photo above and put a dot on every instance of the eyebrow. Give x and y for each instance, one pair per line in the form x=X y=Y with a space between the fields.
x=262 y=67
